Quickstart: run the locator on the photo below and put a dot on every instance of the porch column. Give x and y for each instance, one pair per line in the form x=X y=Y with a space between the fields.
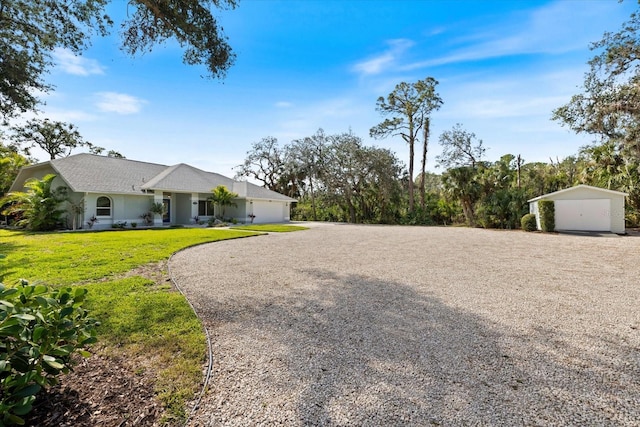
x=194 y=205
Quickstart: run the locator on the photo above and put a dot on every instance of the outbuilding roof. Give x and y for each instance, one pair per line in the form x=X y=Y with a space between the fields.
x=577 y=187
x=89 y=173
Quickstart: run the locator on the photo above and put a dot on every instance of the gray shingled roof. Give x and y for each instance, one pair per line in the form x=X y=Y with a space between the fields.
x=183 y=177
x=99 y=174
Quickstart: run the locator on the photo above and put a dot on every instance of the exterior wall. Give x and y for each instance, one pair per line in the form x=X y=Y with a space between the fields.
x=181 y=204
x=267 y=211
x=533 y=209
x=616 y=203
x=617 y=215
x=124 y=208
x=39 y=173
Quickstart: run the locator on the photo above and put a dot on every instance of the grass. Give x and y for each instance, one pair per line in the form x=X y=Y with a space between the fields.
x=139 y=317
x=270 y=228
x=72 y=258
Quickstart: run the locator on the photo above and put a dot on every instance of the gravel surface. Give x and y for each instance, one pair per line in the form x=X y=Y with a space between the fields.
x=346 y=325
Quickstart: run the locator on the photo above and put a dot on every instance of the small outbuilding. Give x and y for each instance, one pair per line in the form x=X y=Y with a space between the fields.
x=585 y=208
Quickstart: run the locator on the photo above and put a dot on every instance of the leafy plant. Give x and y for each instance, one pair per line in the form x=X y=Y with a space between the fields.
x=40 y=329
x=158 y=208
x=91 y=221
x=119 y=224
x=546 y=209
x=147 y=217
x=38 y=207
x=222 y=197
x=528 y=222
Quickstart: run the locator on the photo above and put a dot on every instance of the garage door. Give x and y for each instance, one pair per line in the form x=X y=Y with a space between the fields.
x=583 y=215
x=268 y=212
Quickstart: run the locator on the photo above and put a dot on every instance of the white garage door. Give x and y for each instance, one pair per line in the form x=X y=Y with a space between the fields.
x=583 y=215
x=268 y=212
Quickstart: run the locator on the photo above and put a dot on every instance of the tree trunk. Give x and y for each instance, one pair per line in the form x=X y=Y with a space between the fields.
x=313 y=200
x=411 y=155
x=425 y=144
x=467 y=209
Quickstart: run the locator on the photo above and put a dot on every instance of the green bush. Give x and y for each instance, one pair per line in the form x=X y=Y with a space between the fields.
x=547 y=211
x=40 y=329
x=528 y=222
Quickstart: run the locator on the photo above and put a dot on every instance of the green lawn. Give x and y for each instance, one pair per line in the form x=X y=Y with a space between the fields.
x=270 y=228
x=139 y=316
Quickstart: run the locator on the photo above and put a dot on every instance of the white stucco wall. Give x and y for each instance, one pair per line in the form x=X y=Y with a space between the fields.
x=123 y=208
x=617 y=202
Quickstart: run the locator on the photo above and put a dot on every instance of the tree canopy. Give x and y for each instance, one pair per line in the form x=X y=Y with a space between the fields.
x=407 y=110
x=30 y=30
x=609 y=106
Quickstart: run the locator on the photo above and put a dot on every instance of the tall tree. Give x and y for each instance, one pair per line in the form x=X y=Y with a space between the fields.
x=460 y=148
x=30 y=30
x=610 y=103
x=57 y=139
x=307 y=156
x=407 y=110
x=265 y=163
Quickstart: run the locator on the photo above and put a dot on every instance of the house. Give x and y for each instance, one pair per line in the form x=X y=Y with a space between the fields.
x=121 y=190
x=585 y=208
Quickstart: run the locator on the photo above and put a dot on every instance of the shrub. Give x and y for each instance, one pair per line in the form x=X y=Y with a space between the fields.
x=119 y=224
x=40 y=329
x=528 y=222
x=547 y=211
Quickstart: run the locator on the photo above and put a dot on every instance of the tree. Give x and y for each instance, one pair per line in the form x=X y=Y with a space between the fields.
x=460 y=148
x=222 y=197
x=408 y=109
x=265 y=163
x=610 y=103
x=37 y=209
x=57 y=139
x=306 y=156
x=462 y=184
x=10 y=164
x=30 y=30
x=363 y=181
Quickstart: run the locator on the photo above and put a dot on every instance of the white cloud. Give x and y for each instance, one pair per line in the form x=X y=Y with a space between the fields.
x=76 y=65
x=380 y=63
x=120 y=103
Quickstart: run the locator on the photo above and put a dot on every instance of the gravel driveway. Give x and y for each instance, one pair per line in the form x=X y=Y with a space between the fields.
x=347 y=325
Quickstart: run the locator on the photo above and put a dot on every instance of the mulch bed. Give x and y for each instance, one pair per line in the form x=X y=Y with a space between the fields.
x=100 y=391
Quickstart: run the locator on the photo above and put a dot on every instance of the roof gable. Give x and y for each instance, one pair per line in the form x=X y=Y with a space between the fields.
x=183 y=177
x=578 y=187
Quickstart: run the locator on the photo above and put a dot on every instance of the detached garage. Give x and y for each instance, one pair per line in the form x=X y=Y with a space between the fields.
x=585 y=208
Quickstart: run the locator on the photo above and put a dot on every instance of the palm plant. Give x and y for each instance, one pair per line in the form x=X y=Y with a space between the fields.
x=37 y=209
x=222 y=197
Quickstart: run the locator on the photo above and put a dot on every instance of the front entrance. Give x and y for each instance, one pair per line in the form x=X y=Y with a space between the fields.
x=166 y=217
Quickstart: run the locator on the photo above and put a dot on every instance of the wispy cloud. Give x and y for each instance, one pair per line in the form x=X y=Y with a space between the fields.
x=547 y=30
x=388 y=58
x=76 y=65
x=120 y=103
x=283 y=104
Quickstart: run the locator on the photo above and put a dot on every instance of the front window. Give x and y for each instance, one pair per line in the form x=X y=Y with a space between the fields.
x=204 y=208
x=103 y=206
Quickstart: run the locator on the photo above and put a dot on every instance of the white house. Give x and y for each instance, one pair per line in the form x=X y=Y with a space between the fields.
x=118 y=190
x=585 y=208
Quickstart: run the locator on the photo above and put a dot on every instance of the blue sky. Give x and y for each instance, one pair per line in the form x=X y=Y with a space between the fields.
x=502 y=67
